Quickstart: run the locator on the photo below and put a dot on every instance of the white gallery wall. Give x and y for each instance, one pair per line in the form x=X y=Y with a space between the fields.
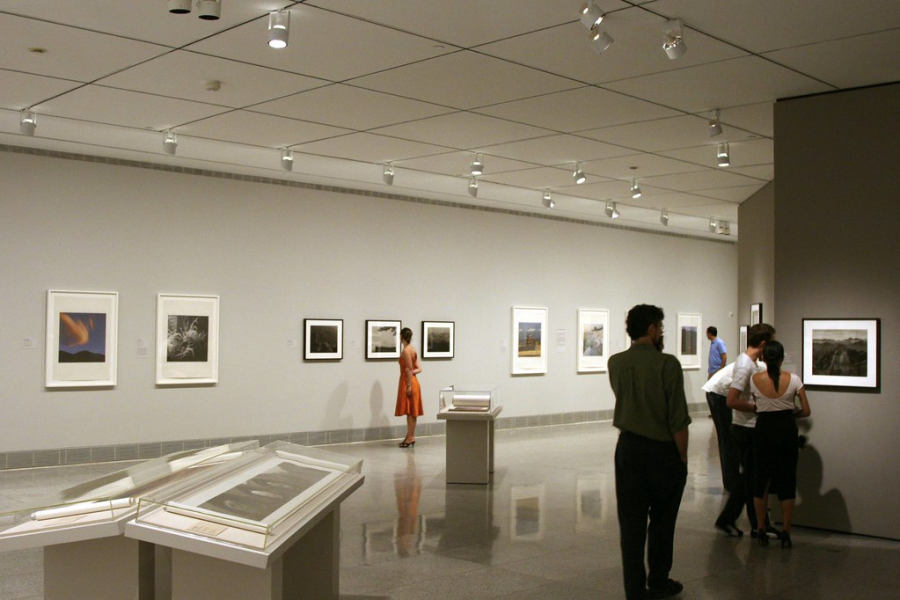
x=277 y=254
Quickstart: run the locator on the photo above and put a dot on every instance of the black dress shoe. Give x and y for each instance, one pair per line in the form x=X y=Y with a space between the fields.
x=729 y=529
x=669 y=589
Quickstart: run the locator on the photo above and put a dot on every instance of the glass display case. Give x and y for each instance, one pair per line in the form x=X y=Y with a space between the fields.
x=253 y=500
x=474 y=399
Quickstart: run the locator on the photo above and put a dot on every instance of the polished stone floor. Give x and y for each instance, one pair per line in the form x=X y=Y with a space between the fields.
x=544 y=528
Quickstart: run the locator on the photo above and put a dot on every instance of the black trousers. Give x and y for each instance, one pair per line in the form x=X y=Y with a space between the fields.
x=650 y=479
x=729 y=456
x=742 y=496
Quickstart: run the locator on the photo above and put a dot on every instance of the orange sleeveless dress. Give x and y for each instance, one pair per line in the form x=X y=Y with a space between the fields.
x=408 y=405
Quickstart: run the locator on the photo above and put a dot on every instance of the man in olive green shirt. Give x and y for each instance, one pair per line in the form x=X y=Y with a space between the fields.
x=651 y=455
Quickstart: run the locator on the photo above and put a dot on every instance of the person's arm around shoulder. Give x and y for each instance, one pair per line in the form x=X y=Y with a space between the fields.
x=804 y=411
x=740 y=382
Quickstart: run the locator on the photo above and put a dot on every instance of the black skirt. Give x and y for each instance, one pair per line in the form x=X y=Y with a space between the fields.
x=775 y=453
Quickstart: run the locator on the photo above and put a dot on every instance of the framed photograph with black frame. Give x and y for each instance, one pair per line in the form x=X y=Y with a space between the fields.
x=842 y=353
x=187 y=340
x=382 y=339
x=81 y=339
x=323 y=339
x=756 y=314
x=690 y=326
x=438 y=339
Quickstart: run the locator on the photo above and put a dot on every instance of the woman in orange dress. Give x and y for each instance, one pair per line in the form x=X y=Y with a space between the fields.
x=409 y=396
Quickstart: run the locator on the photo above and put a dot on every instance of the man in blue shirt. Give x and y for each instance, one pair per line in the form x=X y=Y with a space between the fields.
x=718 y=354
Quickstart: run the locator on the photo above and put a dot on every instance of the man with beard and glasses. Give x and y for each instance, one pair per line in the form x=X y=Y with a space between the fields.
x=651 y=455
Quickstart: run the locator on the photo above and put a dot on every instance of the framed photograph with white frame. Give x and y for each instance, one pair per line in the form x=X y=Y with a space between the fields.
x=842 y=353
x=593 y=340
x=529 y=353
x=688 y=339
x=323 y=339
x=187 y=339
x=382 y=339
x=756 y=314
x=742 y=345
x=82 y=336
x=438 y=339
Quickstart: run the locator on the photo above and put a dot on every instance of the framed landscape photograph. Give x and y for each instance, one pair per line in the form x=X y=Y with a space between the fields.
x=593 y=340
x=841 y=353
x=323 y=339
x=756 y=314
x=742 y=345
x=529 y=350
x=81 y=339
x=382 y=339
x=438 y=339
x=187 y=340
x=688 y=340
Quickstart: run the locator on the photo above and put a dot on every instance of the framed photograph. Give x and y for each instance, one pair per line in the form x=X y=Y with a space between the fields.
x=187 y=340
x=755 y=314
x=842 y=353
x=81 y=339
x=529 y=331
x=743 y=338
x=593 y=340
x=323 y=339
x=438 y=339
x=690 y=326
x=382 y=339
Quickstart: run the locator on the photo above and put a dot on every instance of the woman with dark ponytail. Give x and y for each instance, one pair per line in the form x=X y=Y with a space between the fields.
x=775 y=447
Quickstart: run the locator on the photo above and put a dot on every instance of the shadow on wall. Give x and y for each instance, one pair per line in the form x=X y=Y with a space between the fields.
x=815 y=509
x=337 y=401
x=376 y=402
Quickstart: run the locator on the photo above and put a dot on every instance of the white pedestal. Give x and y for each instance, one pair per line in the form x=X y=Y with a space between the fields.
x=470 y=445
x=110 y=568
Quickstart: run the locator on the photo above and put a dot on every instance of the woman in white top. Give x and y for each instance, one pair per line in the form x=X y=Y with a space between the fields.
x=775 y=448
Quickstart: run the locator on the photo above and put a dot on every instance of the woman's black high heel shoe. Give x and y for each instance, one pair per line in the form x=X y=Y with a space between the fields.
x=762 y=537
x=786 y=539
x=405 y=444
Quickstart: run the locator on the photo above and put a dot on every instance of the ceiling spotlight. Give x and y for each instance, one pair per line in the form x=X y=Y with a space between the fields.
x=179 y=7
x=170 y=142
x=724 y=228
x=578 y=174
x=673 y=39
x=27 y=122
x=722 y=153
x=287 y=159
x=591 y=15
x=388 y=175
x=611 y=211
x=477 y=165
x=279 y=22
x=209 y=10
x=664 y=216
x=713 y=225
x=548 y=199
x=635 y=189
x=600 y=40
x=715 y=128
x=473 y=187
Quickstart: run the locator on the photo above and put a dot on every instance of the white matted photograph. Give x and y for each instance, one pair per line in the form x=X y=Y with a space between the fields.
x=382 y=339
x=81 y=339
x=593 y=340
x=438 y=339
x=688 y=339
x=187 y=339
x=841 y=353
x=756 y=314
x=323 y=339
x=529 y=331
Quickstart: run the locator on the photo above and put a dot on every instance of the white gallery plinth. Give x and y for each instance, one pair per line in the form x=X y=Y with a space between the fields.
x=470 y=445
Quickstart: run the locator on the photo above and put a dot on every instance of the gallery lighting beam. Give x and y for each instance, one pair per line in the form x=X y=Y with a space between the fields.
x=722 y=155
x=664 y=216
x=478 y=165
x=279 y=24
x=548 y=199
x=578 y=174
x=600 y=40
x=27 y=122
x=673 y=39
x=635 y=189
x=473 y=187
x=591 y=15
x=287 y=159
x=715 y=128
x=170 y=142
x=611 y=211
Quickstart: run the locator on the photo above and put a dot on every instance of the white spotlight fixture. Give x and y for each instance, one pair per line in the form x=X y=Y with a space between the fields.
x=713 y=225
x=209 y=10
x=591 y=15
x=388 y=175
x=279 y=23
x=715 y=128
x=664 y=216
x=27 y=122
x=722 y=154
x=673 y=39
x=578 y=174
x=478 y=165
x=611 y=211
x=287 y=159
x=179 y=7
x=548 y=199
x=473 y=187
x=170 y=142
x=724 y=228
x=600 y=40
x=635 y=189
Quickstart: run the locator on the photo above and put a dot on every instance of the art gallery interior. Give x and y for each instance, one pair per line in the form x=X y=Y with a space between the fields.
x=802 y=222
